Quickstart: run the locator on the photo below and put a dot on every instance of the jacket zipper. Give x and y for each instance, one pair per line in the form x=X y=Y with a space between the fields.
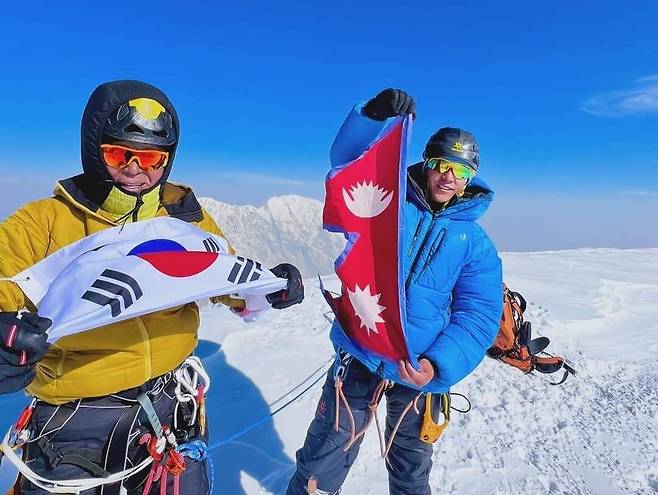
x=413 y=241
x=138 y=205
x=420 y=250
x=435 y=249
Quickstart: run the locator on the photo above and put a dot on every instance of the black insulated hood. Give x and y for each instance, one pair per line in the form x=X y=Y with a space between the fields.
x=105 y=99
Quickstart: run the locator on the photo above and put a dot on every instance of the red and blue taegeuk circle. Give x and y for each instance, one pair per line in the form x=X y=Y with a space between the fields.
x=172 y=259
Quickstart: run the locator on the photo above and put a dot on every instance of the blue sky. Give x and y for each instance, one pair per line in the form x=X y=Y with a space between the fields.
x=563 y=97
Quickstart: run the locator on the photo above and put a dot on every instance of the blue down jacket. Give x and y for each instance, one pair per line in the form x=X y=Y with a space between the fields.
x=453 y=275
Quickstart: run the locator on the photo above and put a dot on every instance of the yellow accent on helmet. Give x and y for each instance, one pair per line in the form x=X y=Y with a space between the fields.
x=147 y=108
x=457 y=146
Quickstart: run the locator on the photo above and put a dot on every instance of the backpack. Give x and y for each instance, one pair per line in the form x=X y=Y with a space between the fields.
x=515 y=346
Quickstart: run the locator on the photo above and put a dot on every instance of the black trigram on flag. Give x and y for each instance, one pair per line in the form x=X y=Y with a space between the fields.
x=247 y=270
x=211 y=245
x=119 y=285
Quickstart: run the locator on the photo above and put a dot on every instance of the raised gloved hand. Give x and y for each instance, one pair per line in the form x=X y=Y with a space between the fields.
x=418 y=378
x=23 y=344
x=294 y=291
x=389 y=103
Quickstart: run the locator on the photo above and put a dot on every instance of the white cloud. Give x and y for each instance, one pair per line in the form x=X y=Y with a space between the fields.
x=269 y=179
x=640 y=100
x=640 y=194
x=648 y=78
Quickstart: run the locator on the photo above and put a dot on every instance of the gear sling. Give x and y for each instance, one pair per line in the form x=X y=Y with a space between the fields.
x=430 y=430
x=135 y=433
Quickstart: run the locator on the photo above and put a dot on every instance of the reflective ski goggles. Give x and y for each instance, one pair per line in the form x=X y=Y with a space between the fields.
x=459 y=170
x=116 y=156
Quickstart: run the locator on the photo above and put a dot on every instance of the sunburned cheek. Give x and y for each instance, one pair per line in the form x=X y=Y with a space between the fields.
x=113 y=173
x=155 y=175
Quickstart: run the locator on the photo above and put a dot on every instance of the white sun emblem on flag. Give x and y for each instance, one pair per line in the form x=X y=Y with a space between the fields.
x=367 y=199
x=366 y=307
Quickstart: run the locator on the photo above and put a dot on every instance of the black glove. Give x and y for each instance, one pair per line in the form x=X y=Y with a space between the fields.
x=294 y=291
x=389 y=103
x=23 y=344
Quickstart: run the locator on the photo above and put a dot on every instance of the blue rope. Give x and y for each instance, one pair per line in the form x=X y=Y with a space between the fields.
x=197 y=450
x=264 y=419
x=322 y=367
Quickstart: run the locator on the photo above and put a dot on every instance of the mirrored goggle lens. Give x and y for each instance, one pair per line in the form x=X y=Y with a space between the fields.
x=459 y=170
x=120 y=157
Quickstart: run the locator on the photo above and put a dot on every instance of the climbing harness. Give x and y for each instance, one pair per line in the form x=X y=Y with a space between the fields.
x=430 y=430
x=343 y=361
x=166 y=448
x=187 y=385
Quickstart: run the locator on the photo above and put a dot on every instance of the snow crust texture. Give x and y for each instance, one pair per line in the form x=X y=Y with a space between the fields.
x=595 y=435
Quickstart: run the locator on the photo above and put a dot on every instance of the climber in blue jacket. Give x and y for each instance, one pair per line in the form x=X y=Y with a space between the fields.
x=453 y=284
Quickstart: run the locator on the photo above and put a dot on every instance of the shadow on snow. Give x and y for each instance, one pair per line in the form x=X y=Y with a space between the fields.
x=233 y=403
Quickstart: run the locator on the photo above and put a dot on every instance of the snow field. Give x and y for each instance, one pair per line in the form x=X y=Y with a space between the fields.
x=596 y=434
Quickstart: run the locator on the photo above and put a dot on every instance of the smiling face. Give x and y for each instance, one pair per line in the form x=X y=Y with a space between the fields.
x=132 y=178
x=442 y=187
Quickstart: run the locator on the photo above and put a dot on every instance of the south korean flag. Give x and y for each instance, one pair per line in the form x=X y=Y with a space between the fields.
x=143 y=267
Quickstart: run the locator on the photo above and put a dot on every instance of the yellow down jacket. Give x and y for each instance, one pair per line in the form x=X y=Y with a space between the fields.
x=109 y=359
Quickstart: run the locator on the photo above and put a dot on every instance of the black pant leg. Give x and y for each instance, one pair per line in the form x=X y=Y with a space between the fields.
x=89 y=429
x=409 y=460
x=322 y=454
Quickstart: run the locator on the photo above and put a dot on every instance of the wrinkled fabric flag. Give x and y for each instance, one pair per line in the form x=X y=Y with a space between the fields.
x=147 y=266
x=365 y=201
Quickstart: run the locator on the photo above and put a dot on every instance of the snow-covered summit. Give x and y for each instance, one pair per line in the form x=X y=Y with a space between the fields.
x=594 y=435
x=287 y=228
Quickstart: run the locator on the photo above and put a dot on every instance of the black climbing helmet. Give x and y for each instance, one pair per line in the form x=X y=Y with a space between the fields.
x=141 y=120
x=454 y=144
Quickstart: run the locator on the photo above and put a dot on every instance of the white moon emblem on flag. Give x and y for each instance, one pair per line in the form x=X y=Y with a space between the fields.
x=367 y=199
x=366 y=307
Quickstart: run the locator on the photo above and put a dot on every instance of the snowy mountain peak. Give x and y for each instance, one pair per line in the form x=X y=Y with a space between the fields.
x=292 y=201
x=296 y=213
x=286 y=229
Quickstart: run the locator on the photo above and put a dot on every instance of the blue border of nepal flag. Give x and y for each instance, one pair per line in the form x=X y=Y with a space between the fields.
x=143 y=267
x=365 y=201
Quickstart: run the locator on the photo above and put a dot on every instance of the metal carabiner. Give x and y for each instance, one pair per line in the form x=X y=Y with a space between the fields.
x=343 y=360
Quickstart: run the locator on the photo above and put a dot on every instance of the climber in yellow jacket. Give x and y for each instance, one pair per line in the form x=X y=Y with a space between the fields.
x=129 y=136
